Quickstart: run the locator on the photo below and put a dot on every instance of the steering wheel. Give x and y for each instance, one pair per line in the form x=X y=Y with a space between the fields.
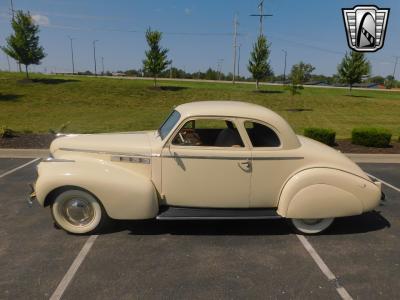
x=188 y=136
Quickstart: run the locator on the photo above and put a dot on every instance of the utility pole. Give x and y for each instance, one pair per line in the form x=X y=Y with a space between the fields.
x=261 y=15
x=219 y=67
x=284 y=68
x=8 y=62
x=238 y=64
x=395 y=65
x=102 y=65
x=235 y=24
x=12 y=9
x=72 y=55
x=94 y=57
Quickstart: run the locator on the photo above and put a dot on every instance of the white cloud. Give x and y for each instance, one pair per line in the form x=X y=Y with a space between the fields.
x=188 y=11
x=41 y=20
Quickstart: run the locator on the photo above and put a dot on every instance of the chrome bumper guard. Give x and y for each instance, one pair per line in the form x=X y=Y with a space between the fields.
x=32 y=194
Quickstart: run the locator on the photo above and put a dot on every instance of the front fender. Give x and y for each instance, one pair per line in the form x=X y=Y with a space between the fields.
x=327 y=193
x=123 y=193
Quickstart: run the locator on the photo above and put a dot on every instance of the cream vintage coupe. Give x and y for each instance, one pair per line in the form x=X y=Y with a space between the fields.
x=208 y=160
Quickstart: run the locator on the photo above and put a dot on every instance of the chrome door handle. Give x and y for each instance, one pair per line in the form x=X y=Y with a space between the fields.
x=245 y=165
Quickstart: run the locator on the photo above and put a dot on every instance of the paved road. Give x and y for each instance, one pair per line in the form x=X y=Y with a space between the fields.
x=243 y=259
x=240 y=82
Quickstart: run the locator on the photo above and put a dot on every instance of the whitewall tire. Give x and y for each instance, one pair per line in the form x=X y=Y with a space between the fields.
x=78 y=212
x=311 y=226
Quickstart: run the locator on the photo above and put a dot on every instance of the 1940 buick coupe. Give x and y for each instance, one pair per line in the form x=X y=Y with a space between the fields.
x=208 y=160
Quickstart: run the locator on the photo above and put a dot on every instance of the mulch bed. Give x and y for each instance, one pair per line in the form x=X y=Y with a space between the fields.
x=347 y=147
x=42 y=141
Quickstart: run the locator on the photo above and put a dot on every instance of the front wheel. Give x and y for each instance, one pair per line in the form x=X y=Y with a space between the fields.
x=78 y=212
x=311 y=226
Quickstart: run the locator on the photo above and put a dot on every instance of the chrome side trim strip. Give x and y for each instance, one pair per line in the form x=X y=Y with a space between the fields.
x=208 y=157
x=278 y=158
x=124 y=154
x=234 y=157
x=105 y=152
x=131 y=159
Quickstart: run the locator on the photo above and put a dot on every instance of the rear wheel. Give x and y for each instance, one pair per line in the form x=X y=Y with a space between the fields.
x=311 y=226
x=78 y=212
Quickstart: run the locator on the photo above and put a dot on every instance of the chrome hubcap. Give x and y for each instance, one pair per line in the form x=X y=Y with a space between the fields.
x=78 y=211
x=311 y=221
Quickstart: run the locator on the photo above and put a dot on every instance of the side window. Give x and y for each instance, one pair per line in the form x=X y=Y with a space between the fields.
x=261 y=135
x=208 y=132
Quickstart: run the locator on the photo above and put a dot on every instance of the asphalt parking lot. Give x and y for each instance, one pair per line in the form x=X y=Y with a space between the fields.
x=358 y=258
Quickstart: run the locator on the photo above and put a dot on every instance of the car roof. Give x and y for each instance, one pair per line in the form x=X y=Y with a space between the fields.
x=223 y=108
x=241 y=110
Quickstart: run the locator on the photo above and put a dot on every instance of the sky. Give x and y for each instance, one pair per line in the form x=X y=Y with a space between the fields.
x=197 y=33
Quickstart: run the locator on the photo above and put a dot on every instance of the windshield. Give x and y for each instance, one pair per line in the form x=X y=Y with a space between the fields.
x=168 y=124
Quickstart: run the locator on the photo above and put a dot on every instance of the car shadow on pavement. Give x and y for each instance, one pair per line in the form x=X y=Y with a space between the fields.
x=372 y=221
x=206 y=227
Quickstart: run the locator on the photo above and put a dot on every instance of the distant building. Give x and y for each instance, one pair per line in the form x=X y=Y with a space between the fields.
x=118 y=74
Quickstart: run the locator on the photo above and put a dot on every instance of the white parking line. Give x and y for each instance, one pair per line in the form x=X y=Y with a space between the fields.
x=18 y=168
x=324 y=268
x=384 y=182
x=73 y=268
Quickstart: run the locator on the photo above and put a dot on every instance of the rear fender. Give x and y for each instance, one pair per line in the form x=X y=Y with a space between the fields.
x=327 y=193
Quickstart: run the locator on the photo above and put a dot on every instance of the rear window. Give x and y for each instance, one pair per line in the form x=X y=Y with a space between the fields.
x=261 y=135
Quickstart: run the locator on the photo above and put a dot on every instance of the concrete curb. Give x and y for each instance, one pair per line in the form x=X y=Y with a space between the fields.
x=24 y=153
x=356 y=157
x=374 y=158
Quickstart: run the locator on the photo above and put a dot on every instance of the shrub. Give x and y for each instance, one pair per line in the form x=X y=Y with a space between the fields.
x=6 y=132
x=323 y=135
x=371 y=137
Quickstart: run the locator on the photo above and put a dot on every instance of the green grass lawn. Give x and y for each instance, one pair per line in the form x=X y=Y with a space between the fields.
x=105 y=105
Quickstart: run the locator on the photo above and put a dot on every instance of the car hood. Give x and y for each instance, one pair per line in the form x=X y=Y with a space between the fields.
x=129 y=143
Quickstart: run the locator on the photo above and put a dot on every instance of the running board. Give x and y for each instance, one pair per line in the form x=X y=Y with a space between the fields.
x=190 y=213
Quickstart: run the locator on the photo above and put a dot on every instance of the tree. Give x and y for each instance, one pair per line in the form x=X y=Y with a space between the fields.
x=389 y=82
x=156 y=57
x=23 y=44
x=377 y=79
x=299 y=74
x=353 y=67
x=259 y=66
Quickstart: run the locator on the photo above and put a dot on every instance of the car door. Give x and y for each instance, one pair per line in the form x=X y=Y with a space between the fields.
x=271 y=165
x=206 y=165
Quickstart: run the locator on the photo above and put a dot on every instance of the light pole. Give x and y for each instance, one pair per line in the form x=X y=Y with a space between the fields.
x=284 y=68
x=72 y=55
x=102 y=65
x=395 y=65
x=219 y=67
x=235 y=24
x=94 y=57
x=8 y=62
